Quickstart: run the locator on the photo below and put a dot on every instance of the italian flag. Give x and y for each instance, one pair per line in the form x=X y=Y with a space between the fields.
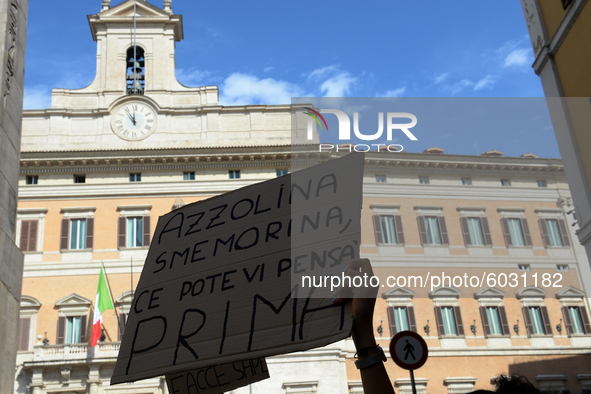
x=102 y=303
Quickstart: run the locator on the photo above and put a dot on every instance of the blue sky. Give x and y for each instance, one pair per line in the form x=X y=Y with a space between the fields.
x=269 y=51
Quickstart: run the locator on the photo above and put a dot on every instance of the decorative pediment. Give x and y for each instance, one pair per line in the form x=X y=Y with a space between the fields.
x=489 y=292
x=445 y=292
x=145 y=12
x=28 y=302
x=570 y=292
x=73 y=300
x=142 y=9
x=398 y=292
x=125 y=298
x=531 y=292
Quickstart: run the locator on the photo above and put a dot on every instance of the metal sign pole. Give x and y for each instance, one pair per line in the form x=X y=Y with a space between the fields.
x=412 y=382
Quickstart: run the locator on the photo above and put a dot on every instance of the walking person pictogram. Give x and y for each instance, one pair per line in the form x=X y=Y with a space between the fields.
x=408 y=348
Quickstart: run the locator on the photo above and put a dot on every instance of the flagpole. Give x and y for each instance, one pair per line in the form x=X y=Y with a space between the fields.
x=113 y=302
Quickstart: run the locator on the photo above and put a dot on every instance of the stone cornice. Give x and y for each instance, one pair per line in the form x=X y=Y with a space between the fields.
x=195 y=157
x=195 y=110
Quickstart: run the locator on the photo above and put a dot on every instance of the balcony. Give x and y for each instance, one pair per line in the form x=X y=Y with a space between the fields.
x=77 y=351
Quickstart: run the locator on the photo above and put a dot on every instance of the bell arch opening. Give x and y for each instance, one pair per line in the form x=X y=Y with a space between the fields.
x=135 y=70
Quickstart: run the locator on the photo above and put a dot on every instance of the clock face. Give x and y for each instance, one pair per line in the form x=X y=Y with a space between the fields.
x=134 y=121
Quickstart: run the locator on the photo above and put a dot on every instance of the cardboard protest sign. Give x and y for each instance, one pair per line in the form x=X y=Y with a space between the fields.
x=217 y=379
x=217 y=282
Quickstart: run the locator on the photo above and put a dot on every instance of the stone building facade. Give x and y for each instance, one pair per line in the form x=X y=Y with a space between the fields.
x=100 y=166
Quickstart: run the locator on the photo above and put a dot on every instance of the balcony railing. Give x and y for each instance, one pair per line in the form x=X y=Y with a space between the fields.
x=75 y=351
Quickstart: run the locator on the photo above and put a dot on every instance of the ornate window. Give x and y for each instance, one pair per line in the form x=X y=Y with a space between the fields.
x=515 y=227
x=447 y=311
x=432 y=227
x=134 y=226
x=72 y=326
x=124 y=301
x=77 y=228
x=30 y=225
x=574 y=312
x=401 y=313
x=553 y=227
x=475 y=228
x=387 y=224
x=28 y=323
x=535 y=313
x=492 y=312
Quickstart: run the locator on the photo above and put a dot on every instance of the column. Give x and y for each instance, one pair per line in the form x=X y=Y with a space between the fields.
x=13 y=27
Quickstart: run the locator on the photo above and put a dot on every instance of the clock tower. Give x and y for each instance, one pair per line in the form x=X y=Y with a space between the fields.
x=135 y=101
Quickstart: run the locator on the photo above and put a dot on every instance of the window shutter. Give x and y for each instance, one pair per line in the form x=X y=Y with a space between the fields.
x=563 y=232
x=377 y=228
x=527 y=320
x=546 y=320
x=465 y=231
x=399 y=230
x=121 y=232
x=24 y=243
x=439 y=321
x=506 y=232
x=61 y=330
x=443 y=230
x=544 y=231
x=526 y=233
x=122 y=321
x=392 y=321
x=504 y=321
x=484 y=318
x=567 y=321
x=89 y=233
x=33 y=228
x=146 y=229
x=25 y=328
x=83 y=329
x=65 y=235
x=458 y=318
x=585 y=318
x=486 y=231
x=412 y=323
x=422 y=230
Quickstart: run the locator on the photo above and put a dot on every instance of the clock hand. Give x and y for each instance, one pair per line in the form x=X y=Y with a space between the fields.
x=132 y=118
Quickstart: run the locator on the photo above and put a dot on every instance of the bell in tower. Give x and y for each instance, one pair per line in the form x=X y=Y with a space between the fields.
x=135 y=70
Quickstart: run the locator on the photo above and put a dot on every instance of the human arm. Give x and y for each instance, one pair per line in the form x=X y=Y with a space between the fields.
x=374 y=378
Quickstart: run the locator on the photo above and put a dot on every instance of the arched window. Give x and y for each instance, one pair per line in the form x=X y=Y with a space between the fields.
x=135 y=70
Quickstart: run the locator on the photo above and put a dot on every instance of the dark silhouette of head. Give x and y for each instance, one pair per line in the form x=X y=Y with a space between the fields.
x=515 y=384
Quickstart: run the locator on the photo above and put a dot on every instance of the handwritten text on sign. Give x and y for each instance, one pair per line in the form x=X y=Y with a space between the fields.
x=217 y=379
x=216 y=285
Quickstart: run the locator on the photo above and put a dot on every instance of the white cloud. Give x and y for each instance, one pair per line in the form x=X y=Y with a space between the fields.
x=38 y=97
x=337 y=82
x=441 y=77
x=338 y=86
x=486 y=82
x=321 y=73
x=461 y=85
x=267 y=69
x=518 y=57
x=393 y=93
x=240 y=89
